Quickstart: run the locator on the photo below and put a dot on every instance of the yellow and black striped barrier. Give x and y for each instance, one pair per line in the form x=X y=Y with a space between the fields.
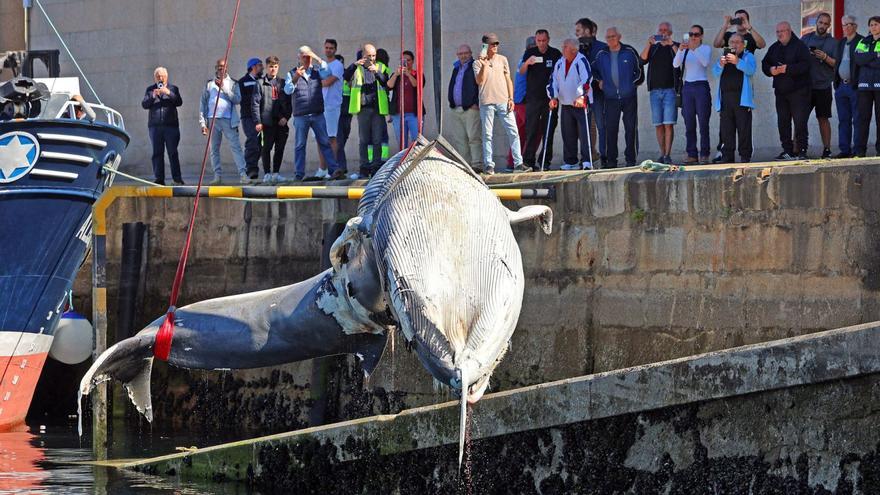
x=266 y=193
x=306 y=192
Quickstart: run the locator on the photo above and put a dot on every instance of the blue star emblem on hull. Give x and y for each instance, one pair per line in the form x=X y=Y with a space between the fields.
x=18 y=155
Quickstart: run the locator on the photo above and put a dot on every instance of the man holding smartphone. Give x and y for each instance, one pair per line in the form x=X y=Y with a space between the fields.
x=822 y=48
x=492 y=73
x=368 y=99
x=659 y=53
x=162 y=100
x=537 y=65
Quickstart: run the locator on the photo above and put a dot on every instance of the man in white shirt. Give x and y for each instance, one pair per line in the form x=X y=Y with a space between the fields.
x=332 y=91
x=225 y=122
x=569 y=88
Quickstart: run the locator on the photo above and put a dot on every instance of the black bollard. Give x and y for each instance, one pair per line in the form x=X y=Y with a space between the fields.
x=129 y=278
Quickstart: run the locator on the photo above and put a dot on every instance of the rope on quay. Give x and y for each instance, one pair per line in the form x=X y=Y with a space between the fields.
x=297 y=193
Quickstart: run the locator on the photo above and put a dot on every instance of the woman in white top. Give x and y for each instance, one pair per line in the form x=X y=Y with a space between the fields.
x=696 y=98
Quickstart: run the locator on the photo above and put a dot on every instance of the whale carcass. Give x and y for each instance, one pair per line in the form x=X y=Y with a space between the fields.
x=431 y=253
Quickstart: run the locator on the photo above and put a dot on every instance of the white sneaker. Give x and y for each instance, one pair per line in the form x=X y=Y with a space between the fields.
x=322 y=174
x=354 y=176
x=244 y=179
x=268 y=179
x=569 y=167
x=278 y=178
x=587 y=166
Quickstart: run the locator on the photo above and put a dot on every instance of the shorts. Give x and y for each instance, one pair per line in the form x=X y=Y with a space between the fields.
x=331 y=116
x=820 y=99
x=663 y=110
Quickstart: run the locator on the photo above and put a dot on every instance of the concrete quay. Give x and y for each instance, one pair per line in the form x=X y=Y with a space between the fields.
x=798 y=413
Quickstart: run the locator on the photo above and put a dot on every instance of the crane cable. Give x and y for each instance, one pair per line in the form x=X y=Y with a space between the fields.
x=162 y=347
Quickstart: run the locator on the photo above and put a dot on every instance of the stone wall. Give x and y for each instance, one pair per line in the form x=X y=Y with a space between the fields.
x=118 y=44
x=641 y=267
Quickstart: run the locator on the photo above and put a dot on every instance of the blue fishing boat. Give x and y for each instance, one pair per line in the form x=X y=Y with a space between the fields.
x=56 y=156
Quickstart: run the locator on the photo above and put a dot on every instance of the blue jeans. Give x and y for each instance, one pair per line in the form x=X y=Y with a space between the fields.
x=223 y=129
x=847 y=99
x=301 y=126
x=411 y=123
x=663 y=111
x=508 y=120
x=696 y=106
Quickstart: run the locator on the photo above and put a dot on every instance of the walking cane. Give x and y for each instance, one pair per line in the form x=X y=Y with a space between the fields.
x=589 y=141
x=546 y=132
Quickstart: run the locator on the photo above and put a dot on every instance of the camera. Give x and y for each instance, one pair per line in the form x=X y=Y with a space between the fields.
x=736 y=21
x=585 y=43
x=659 y=37
x=726 y=51
x=160 y=85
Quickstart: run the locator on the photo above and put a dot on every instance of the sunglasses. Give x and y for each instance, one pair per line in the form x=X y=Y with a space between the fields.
x=496 y=43
x=695 y=35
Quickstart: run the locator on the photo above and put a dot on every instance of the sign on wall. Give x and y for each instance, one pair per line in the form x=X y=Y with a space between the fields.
x=810 y=9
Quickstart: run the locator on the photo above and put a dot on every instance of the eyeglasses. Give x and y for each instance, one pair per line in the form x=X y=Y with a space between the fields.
x=695 y=35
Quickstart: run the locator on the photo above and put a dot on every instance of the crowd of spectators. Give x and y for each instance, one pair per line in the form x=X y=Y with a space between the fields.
x=588 y=88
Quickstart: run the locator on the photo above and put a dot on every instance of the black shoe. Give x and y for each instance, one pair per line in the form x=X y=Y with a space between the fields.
x=662 y=159
x=826 y=153
x=719 y=159
x=339 y=174
x=803 y=156
x=159 y=182
x=842 y=155
x=179 y=182
x=784 y=156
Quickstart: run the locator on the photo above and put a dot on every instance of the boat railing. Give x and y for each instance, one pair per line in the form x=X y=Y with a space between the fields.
x=103 y=113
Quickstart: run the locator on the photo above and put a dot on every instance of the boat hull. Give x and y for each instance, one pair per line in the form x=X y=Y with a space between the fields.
x=45 y=230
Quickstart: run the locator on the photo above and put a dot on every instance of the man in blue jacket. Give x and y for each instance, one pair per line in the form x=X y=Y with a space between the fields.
x=162 y=100
x=249 y=83
x=619 y=72
x=586 y=30
x=304 y=83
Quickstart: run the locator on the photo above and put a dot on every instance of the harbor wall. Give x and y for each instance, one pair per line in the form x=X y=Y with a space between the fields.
x=118 y=45
x=640 y=268
x=796 y=415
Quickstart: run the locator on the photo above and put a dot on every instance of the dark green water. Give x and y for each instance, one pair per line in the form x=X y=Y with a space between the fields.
x=48 y=461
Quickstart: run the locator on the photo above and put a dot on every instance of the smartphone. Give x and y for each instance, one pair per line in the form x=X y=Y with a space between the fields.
x=659 y=37
x=686 y=38
x=484 y=50
x=736 y=21
x=813 y=48
x=539 y=60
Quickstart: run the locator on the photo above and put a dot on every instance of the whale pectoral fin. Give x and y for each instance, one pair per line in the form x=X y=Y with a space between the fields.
x=542 y=213
x=129 y=361
x=370 y=351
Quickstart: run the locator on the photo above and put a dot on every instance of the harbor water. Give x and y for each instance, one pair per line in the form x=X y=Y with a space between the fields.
x=53 y=460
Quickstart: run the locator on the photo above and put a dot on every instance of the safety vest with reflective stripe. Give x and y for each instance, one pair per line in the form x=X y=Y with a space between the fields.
x=357 y=81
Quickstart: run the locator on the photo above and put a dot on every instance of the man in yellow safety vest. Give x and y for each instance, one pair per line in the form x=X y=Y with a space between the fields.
x=368 y=99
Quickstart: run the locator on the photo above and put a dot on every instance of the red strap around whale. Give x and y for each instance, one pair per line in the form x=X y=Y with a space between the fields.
x=162 y=347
